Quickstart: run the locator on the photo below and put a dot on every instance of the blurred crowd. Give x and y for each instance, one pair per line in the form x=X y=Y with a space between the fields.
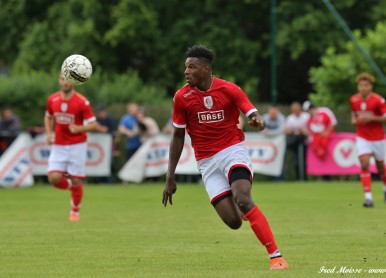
x=307 y=126
x=9 y=128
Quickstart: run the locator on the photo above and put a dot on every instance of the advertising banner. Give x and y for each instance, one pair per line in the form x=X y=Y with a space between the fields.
x=15 y=166
x=341 y=159
x=151 y=160
x=98 y=155
x=28 y=156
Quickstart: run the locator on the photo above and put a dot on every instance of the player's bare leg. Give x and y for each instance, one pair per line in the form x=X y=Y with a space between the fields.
x=366 y=181
x=382 y=173
x=229 y=211
x=58 y=180
x=241 y=190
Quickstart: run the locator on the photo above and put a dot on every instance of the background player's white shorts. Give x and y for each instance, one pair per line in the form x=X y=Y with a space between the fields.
x=375 y=148
x=69 y=159
x=216 y=170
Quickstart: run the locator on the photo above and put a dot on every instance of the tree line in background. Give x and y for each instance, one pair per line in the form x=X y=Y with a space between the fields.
x=137 y=47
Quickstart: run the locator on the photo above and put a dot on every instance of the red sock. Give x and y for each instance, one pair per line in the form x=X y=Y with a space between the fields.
x=62 y=184
x=76 y=197
x=261 y=229
x=366 y=180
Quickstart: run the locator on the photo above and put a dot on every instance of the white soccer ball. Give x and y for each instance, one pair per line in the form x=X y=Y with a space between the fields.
x=76 y=69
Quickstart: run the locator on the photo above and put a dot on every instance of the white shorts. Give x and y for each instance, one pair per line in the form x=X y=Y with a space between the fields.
x=216 y=170
x=70 y=159
x=375 y=148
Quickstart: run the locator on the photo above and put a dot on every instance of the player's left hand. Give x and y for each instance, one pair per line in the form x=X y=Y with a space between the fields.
x=74 y=128
x=257 y=122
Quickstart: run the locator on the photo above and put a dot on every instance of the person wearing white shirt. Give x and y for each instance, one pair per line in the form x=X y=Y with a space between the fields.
x=296 y=135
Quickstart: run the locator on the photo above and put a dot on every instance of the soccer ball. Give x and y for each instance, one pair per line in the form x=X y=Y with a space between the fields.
x=76 y=69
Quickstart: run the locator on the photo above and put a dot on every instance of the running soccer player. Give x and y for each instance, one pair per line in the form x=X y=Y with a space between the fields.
x=369 y=116
x=208 y=108
x=70 y=115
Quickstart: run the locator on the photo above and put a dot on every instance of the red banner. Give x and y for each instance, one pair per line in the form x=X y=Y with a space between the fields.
x=342 y=158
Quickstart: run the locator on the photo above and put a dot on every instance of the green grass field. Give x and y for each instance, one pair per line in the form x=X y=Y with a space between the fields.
x=125 y=232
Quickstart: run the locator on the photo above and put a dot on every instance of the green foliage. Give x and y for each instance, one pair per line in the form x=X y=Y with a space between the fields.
x=334 y=80
x=27 y=93
x=134 y=35
x=122 y=88
x=150 y=38
x=310 y=28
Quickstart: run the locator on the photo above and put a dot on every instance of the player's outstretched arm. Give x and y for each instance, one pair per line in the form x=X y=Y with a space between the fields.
x=83 y=128
x=176 y=146
x=256 y=121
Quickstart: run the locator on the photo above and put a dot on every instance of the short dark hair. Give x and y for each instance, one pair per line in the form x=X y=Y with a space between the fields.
x=201 y=52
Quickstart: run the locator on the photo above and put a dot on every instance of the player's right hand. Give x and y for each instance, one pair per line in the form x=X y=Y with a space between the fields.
x=49 y=140
x=170 y=189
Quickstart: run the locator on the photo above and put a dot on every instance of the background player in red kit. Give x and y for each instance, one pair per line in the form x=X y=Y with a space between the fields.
x=369 y=116
x=208 y=108
x=70 y=114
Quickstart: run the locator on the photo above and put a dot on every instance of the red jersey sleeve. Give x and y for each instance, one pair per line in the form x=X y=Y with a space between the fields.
x=242 y=101
x=327 y=120
x=382 y=106
x=351 y=101
x=179 y=116
x=88 y=115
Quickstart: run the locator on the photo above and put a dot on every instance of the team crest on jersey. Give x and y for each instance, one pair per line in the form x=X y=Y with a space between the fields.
x=63 y=106
x=363 y=106
x=208 y=101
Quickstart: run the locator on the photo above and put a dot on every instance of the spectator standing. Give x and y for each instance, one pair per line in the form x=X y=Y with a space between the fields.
x=274 y=121
x=128 y=126
x=296 y=134
x=9 y=128
x=168 y=128
x=148 y=126
x=106 y=124
x=36 y=130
